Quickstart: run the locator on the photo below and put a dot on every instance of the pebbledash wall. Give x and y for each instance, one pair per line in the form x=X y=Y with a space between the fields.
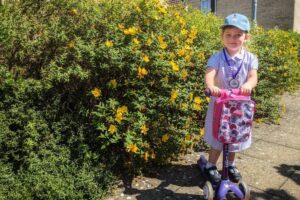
x=284 y=14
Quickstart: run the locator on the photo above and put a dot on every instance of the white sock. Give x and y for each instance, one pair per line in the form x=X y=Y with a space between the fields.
x=209 y=164
x=231 y=163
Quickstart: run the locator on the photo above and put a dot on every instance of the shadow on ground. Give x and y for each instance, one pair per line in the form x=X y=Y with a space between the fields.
x=290 y=171
x=170 y=182
x=272 y=194
x=184 y=182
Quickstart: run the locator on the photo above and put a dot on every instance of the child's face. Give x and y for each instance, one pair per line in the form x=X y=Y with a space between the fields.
x=234 y=39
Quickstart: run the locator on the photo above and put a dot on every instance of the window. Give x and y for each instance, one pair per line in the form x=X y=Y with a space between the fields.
x=208 y=6
x=205 y=6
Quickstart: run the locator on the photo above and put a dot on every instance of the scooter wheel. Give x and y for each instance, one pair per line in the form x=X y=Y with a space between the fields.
x=208 y=191
x=244 y=188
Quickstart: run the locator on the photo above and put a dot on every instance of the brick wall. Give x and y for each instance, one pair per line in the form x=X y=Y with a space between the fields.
x=270 y=13
x=226 y=7
x=194 y=3
x=284 y=14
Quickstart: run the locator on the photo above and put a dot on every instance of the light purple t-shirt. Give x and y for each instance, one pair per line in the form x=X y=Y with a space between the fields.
x=246 y=60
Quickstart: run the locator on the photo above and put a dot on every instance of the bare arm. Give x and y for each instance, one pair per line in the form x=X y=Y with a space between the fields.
x=210 y=81
x=251 y=82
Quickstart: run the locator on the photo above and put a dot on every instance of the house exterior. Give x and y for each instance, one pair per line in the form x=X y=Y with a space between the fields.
x=284 y=14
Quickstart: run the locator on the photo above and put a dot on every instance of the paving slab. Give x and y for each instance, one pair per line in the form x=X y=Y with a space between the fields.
x=265 y=175
x=273 y=153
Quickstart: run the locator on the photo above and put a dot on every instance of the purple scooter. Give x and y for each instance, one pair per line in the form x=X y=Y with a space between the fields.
x=225 y=186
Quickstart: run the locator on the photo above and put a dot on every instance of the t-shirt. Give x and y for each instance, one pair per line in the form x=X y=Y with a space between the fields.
x=244 y=60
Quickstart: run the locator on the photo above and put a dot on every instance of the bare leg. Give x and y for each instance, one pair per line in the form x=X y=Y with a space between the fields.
x=214 y=156
x=231 y=156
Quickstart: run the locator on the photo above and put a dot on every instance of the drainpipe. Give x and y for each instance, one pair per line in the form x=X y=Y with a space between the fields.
x=254 y=10
x=214 y=6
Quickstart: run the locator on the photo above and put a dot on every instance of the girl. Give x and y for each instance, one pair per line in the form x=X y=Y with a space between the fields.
x=232 y=67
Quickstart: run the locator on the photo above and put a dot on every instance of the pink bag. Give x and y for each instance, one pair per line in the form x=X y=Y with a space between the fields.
x=233 y=117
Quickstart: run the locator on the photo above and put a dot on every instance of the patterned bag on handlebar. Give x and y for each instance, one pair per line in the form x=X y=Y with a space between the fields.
x=233 y=117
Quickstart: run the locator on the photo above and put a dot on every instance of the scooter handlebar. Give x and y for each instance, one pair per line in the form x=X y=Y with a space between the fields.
x=207 y=92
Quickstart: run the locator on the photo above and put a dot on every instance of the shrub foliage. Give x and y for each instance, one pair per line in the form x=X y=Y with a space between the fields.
x=91 y=87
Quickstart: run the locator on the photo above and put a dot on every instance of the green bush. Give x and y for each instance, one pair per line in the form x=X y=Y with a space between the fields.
x=90 y=89
x=278 y=53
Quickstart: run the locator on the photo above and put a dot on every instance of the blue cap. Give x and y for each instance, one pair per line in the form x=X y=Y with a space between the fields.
x=238 y=20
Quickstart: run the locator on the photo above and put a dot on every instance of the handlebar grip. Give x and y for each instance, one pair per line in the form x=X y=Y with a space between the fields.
x=207 y=92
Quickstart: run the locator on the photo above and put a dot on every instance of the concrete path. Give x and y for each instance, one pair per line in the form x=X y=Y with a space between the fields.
x=271 y=167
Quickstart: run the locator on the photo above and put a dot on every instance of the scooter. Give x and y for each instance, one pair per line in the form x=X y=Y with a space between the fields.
x=220 y=190
x=225 y=186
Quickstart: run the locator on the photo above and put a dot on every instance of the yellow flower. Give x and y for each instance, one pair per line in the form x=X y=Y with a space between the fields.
x=197 y=100
x=197 y=106
x=201 y=56
x=121 y=26
x=183 y=32
x=119 y=117
x=146 y=59
x=149 y=42
x=175 y=67
x=132 y=148
x=153 y=155
x=146 y=156
x=181 y=21
x=259 y=120
x=177 y=40
x=96 y=92
x=191 y=96
x=181 y=52
x=122 y=109
x=144 y=129
x=207 y=99
x=71 y=44
x=162 y=43
x=201 y=131
x=138 y=9
x=188 y=58
x=174 y=95
x=120 y=112
x=165 y=138
x=109 y=43
x=113 y=83
x=189 y=41
x=142 y=72
x=74 y=11
x=112 y=129
x=193 y=32
x=162 y=10
x=188 y=137
x=131 y=31
x=136 y=41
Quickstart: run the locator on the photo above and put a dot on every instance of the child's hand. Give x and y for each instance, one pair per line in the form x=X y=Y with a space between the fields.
x=214 y=91
x=246 y=89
